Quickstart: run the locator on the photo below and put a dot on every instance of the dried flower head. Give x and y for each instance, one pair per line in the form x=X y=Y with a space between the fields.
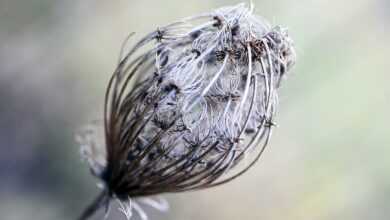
x=189 y=101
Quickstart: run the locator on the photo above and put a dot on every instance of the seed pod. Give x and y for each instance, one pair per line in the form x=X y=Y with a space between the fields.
x=191 y=100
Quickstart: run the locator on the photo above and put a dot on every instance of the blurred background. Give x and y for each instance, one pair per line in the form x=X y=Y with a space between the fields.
x=328 y=159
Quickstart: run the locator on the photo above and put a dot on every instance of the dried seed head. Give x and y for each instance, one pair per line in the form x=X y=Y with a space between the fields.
x=190 y=100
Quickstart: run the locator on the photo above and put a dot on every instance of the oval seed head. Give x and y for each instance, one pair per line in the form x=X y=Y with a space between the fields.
x=190 y=100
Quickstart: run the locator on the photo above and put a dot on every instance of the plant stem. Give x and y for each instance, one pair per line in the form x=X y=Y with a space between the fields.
x=100 y=200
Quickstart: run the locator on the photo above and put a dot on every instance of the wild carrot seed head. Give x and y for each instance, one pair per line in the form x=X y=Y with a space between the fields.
x=190 y=100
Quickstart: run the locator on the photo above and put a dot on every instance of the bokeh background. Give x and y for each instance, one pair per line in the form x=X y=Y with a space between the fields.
x=328 y=159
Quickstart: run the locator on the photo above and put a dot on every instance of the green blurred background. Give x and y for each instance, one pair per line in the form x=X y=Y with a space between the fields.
x=328 y=159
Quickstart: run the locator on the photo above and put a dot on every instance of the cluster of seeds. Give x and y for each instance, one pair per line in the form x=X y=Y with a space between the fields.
x=191 y=100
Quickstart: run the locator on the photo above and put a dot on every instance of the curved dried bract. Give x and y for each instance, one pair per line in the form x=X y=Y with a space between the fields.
x=190 y=100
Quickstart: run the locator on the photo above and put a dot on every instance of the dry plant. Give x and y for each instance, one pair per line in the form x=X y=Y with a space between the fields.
x=185 y=105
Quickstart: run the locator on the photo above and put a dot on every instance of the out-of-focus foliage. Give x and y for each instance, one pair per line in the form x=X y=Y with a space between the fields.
x=327 y=159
